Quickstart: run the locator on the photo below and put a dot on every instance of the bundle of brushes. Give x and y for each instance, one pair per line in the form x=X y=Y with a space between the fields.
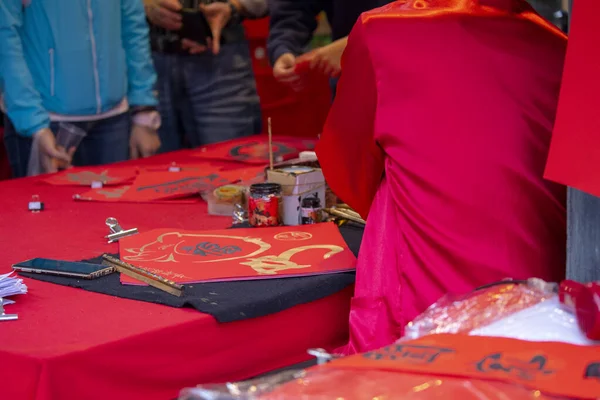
x=344 y=215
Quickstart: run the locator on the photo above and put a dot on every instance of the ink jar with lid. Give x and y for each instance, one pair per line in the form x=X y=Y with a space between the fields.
x=264 y=204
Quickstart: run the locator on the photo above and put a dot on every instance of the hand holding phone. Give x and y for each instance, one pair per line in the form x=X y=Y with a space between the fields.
x=195 y=26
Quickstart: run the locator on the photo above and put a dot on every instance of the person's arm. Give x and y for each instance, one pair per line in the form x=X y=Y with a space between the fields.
x=291 y=27
x=141 y=76
x=351 y=159
x=23 y=102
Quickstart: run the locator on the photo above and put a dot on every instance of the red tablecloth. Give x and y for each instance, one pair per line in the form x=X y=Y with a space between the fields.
x=73 y=344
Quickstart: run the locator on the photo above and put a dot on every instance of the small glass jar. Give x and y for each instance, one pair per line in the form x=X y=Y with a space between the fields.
x=264 y=204
x=310 y=211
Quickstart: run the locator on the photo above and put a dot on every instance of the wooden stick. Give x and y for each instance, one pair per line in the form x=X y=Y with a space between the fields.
x=144 y=276
x=270 y=142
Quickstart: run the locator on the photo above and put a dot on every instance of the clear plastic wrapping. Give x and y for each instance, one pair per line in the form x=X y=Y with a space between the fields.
x=465 y=313
x=543 y=322
x=528 y=310
x=349 y=384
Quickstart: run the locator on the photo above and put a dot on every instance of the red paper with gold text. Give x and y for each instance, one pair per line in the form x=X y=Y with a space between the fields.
x=154 y=186
x=85 y=176
x=255 y=149
x=574 y=157
x=157 y=185
x=554 y=368
x=238 y=254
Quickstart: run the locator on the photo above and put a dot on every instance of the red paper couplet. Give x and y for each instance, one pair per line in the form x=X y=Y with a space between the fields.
x=553 y=368
x=160 y=186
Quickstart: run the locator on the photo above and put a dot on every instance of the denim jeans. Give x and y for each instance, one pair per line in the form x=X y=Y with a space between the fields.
x=333 y=86
x=583 y=236
x=107 y=141
x=206 y=98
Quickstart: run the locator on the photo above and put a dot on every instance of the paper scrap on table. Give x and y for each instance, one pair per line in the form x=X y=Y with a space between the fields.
x=10 y=285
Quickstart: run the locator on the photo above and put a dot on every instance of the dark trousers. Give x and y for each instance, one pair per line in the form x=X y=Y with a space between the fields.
x=206 y=98
x=107 y=141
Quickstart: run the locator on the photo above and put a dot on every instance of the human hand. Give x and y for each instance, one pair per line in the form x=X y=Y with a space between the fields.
x=284 y=71
x=144 y=141
x=327 y=59
x=51 y=155
x=217 y=15
x=164 y=13
x=195 y=47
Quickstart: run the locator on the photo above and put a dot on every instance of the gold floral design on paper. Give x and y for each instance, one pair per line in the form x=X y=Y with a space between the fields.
x=168 y=248
x=292 y=236
x=272 y=265
x=87 y=177
x=115 y=193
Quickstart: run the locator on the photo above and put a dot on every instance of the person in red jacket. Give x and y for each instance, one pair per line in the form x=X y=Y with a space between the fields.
x=438 y=137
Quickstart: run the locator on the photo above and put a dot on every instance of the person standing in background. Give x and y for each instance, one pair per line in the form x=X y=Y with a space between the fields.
x=68 y=61
x=207 y=93
x=292 y=25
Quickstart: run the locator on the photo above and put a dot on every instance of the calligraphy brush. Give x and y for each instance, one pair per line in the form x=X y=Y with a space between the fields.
x=348 y=211
x=346 y=222
x=270 y=131
x=343 y=215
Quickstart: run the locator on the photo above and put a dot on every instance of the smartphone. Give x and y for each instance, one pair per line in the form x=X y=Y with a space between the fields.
x=194 y=26
x=63 y=268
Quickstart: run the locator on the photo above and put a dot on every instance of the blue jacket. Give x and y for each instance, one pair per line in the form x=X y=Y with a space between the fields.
x=294 y=21
x=72 y=57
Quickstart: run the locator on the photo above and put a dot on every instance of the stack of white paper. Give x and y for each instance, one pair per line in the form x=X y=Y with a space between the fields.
x=10 y=285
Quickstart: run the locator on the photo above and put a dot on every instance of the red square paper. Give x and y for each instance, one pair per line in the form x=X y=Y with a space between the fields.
x=238 y=254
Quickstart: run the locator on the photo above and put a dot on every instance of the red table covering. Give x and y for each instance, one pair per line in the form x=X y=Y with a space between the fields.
x=73 y=344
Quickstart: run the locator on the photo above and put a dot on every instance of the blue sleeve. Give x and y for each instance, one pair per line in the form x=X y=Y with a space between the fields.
x=292 y=25
x=22 y=101
x=141 y=76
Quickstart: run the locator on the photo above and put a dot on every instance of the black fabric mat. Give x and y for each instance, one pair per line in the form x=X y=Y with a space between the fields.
x=227 y=301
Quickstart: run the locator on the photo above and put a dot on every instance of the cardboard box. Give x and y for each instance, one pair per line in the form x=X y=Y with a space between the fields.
x=297 y=182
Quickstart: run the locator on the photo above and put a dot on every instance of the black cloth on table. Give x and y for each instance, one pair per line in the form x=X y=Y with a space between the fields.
x=227 y=301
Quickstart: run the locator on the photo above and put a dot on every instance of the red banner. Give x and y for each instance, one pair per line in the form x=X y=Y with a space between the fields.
x=574 y=158
x=553 y=368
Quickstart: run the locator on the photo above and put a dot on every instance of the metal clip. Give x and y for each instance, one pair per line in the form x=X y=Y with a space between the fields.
x=116 y=231
x=322 y=356
x=4 y=316
x=35 y=205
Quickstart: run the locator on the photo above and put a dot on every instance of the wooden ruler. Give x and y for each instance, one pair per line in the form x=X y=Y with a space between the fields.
x=144 y=276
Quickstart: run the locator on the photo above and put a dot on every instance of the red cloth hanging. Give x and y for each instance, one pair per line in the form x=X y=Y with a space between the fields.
x=574 y=158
